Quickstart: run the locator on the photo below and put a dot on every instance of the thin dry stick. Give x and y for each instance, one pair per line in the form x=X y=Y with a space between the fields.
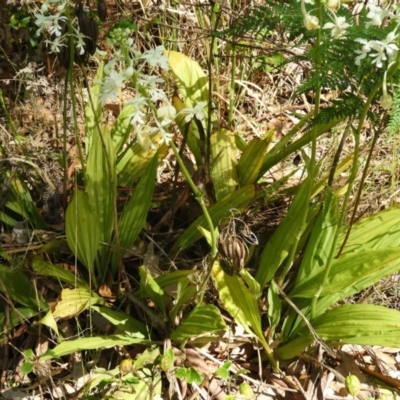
x=244 y=377
x=307 y=322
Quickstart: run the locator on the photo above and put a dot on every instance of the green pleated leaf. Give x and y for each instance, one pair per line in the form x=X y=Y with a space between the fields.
x=100 y=185
x=152 y=289
x=251 y=161
x=134 y=162
x=274 y=307
x=241 y=304
x=237 y=299
x=362 y=324
x=90 y=343
x=15 y=283
x=168 y=279
x=374 y=232
x=135 y=211
x=322 y=236
x=352 y=273
x=238 y=200
x=124 y=322
x=203 y=319
x=44 y=268
x=82 y=230
x=191 y=131
x=185 y=294
x=285 y=236
x=223 y=172
x=93 y=114
x=190 y=78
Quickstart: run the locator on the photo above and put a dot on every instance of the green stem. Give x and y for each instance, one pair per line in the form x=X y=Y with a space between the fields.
x=311 y=164
x=353 y=175
x=199 y=197
x=232 y=88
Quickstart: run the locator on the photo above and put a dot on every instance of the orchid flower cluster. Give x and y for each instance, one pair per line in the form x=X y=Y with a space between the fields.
x=51 y=19
x=125 y=68
x=383 y=52
x=148 y=93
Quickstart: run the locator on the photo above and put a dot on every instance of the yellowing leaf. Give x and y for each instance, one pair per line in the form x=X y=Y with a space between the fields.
x=224 y=174
x=192 y=82
x=73 y=301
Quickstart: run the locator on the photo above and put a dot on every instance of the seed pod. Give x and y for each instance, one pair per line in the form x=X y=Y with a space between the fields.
x=82 y=19
x=246 y=390
x=166 y=363
x=92 y=37
x=353 y=385
x=125 y=366
x=102 y=10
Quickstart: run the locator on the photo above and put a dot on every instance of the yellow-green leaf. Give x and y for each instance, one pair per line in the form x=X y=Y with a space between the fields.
x=251 y=161
x=192 y=82
x=203 y=319
x=100 y=185
x=83 y=231
x=223 y=151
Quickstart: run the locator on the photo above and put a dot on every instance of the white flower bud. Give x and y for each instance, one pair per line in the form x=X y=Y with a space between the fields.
x=310 y=22
x=386 y=101
x=333 y=4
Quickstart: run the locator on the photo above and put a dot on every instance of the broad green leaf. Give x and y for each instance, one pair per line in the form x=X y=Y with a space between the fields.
x=190 y=79
x=377 y=231
x=362 y=324
x=352 y=273
x=185 y=294
x=122 y=128
x=123 y=322
x=251 y=283
x=152 y=289
x=16 y=317
x=223 y=371
x=135 y=211
x=274 y=307
x=241 y=304
x=90 y=343
x=358 y=271
x=237 y=299
x=251 y=161
x=134 y=163
x=83 y=231
x=49 y=321
x=189 y=374
x=280 y=152
x=26 y=367
x=223 y=172
x=238 y=200
x=166 y=280
x=203 y=319
x=15 y=284
x=44 y=268
x=319 y=245
x=72 y=302
x=101 y=185
x=93 y=114
x=20 y=201
x=29 y=354
x=285 y=236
